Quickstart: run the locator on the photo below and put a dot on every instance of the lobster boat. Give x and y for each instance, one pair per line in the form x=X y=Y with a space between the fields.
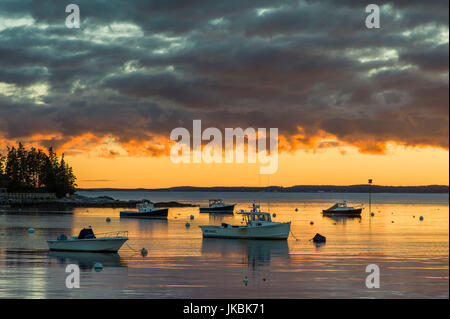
x=258 y=225
x=341 y=209
x=218 y=206
x=145 y=210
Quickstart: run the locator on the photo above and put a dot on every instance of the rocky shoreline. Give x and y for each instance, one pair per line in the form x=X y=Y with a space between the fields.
x=84 y=201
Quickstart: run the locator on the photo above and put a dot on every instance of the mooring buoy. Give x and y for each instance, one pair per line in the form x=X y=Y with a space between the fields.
x=98 y=267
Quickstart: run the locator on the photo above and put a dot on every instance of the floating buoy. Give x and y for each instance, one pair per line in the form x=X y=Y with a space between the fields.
x=311 y=223
x=192 y=216
x=421 y=217
x=372 y=214
x=144 y=252
x=274 y=215
x=108 y=219
x=31 y=230
x=296 y=209
x=98 y=267
x=319 y=238
x=392 y=221
x=245 y=280
x=414 y=216
x=187 y=224
x=264 y=279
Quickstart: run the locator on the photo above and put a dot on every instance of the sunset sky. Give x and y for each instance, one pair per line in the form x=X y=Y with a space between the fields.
x=350 y=103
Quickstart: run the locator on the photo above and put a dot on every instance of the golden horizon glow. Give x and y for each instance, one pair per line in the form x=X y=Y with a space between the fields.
x=400 y=166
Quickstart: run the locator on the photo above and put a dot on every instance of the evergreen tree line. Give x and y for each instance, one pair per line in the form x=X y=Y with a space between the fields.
x=36 y=171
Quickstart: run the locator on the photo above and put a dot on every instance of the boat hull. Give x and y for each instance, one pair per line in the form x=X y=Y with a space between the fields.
x=349 y=212
x=276 y=231
x=154 y=214
x=228 y=209
x=105 y=245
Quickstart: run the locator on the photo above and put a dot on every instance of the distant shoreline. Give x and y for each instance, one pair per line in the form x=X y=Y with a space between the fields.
x=427 y=189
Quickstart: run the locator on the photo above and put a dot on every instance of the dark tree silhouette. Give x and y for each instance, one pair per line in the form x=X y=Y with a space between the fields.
x=35 y=171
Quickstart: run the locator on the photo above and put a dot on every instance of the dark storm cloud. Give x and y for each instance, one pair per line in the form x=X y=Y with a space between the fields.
x=137 y=69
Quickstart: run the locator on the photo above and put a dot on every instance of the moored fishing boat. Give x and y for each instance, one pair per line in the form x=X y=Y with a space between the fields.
x=146 y=210
x=218 y=206
x=258 y=225
x=341 y=209
x=86 y=241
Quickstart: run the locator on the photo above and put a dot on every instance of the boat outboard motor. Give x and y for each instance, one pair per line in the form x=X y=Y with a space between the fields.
x=61 y=237
x=86 y=233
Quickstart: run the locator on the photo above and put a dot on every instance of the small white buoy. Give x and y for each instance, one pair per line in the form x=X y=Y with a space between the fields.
x=421 y=218
x=98 y=267
x=144 y=252
x=274 y=215
x=108 y=219
x=31 y=230
x=187 y=224
x=245 y=280
x=192 y=216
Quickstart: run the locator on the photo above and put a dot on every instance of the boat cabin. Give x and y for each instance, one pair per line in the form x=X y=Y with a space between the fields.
x=338 y=206
x=145 y=207
x=86 y=233
x=216 y=202
x=253 y=217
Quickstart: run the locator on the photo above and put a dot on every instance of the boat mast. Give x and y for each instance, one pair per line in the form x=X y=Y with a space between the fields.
x=370 y=195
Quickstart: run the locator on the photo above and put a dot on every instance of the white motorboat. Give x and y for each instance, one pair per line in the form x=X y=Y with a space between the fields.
x=258 y=225
x=88 y=242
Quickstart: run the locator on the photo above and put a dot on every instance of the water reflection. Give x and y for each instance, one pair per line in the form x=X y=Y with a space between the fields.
x=218 y=218
x=255 y=253
x=86 y=261
x=342 y=219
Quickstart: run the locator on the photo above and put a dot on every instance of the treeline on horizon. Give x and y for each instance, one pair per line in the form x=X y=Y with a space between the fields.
x=296 y=189
x=33 y=170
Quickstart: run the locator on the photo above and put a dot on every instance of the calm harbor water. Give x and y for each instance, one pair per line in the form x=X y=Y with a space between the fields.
x=413 y=255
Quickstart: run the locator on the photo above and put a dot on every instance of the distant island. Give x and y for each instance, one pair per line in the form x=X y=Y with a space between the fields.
x=292 y=189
